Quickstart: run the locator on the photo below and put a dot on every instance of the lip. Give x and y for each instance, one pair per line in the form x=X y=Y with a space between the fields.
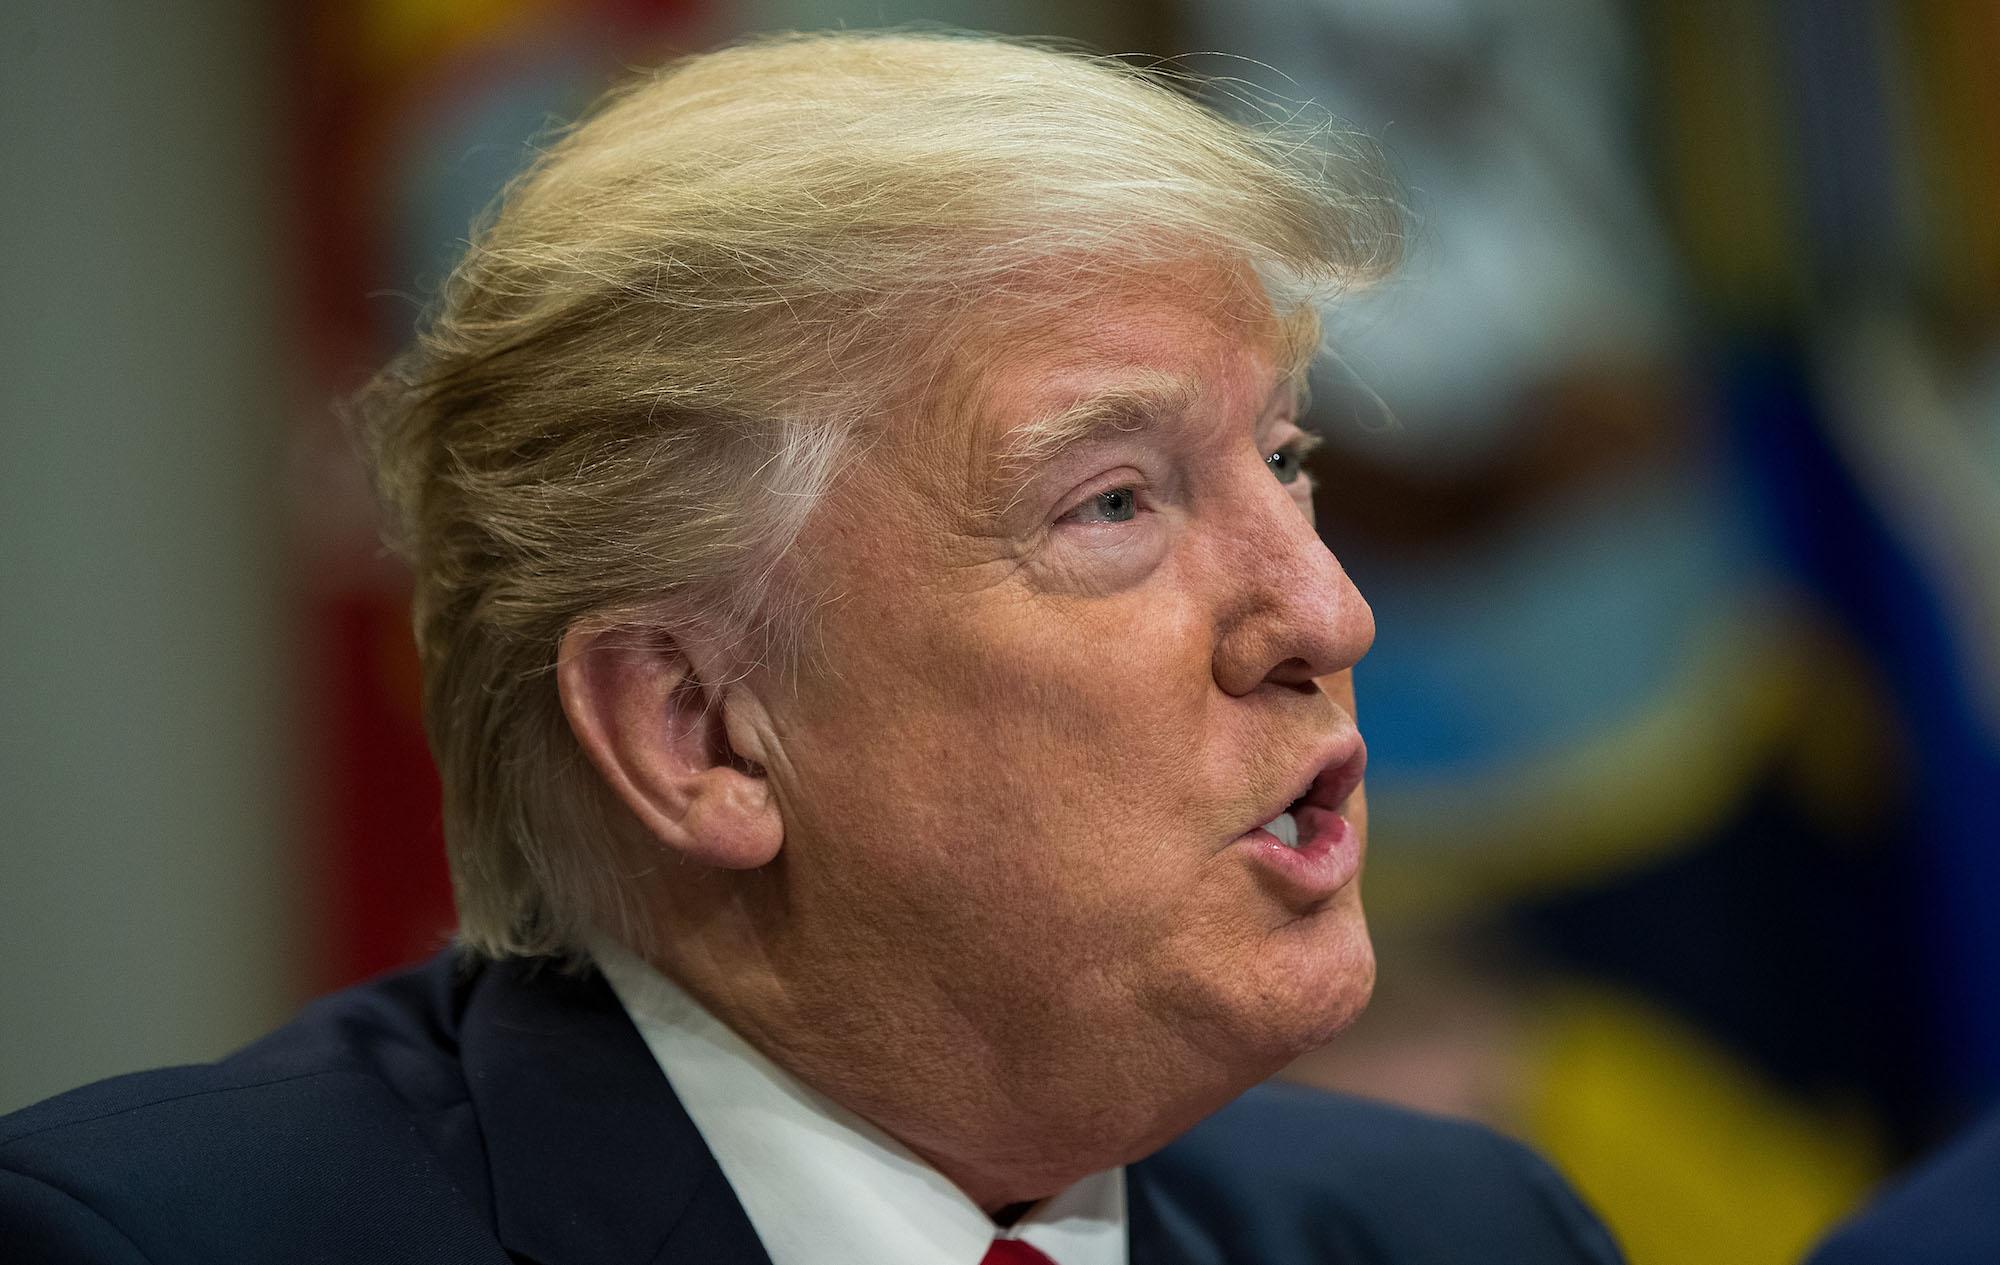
x=1329 y=853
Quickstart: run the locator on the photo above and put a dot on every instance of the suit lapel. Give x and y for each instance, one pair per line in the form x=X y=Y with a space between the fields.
x=592 y=1158
x=1163 y=1230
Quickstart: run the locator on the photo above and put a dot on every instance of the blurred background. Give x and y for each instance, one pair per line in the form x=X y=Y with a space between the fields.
x=1671 y=464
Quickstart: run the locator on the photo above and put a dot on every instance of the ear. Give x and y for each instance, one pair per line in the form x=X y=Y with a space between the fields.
x=666 y=743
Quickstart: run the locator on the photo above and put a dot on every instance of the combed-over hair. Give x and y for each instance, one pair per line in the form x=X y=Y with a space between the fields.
x=653 y=358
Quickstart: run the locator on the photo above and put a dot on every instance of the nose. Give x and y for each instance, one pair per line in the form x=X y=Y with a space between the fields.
x=1290 y=614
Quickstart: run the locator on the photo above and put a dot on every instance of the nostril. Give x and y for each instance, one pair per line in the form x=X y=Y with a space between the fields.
x=1296 y=674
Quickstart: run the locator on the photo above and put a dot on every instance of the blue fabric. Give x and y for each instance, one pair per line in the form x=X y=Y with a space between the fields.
x=495 y=1112
x=1847 y=549
x=1945 y=1213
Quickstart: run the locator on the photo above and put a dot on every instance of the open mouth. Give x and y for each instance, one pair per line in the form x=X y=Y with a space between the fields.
x=1307 y=849
x=1326 y=794
x=1285 y=827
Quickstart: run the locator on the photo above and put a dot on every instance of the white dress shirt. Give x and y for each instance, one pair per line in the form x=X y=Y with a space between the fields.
x=821 y=1185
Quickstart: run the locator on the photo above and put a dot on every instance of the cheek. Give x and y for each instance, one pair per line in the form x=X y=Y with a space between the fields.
x=1041 y=797
x=1058 y=752
x=1105 y=717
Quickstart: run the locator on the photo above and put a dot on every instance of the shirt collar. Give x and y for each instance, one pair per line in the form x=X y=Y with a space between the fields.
x=587 y=1156
x=820 y=1184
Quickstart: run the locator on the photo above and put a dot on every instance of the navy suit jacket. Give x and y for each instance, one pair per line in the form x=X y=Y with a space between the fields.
x=1947 y=1212
x=495 y=1112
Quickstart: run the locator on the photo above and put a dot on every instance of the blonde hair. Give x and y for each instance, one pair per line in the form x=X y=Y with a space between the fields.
x=653 y=359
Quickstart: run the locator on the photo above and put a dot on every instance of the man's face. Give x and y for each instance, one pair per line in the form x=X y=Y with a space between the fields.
x=1063 y=688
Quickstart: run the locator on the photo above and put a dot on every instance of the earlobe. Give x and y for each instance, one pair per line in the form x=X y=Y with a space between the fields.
x=661 y=738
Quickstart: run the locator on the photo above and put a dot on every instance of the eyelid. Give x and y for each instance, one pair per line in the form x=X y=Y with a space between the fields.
x=1301 y=443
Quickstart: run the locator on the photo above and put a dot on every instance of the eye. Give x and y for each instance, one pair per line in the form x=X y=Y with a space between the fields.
x=1288 y=462
x=1291 y=457
x=1113 y=505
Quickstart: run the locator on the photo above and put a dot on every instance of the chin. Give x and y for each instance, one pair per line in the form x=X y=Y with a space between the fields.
x=1316 y=982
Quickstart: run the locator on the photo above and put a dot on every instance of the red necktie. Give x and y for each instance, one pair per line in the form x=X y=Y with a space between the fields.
x=1014 y=1252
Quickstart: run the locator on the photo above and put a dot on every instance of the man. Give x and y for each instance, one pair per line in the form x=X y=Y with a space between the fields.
x=900 y=761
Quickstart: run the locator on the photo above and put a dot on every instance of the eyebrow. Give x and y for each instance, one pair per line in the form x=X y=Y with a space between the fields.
x=1124 y=409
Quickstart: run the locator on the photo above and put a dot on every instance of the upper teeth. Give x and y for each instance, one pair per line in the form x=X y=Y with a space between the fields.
x=1286 y=828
